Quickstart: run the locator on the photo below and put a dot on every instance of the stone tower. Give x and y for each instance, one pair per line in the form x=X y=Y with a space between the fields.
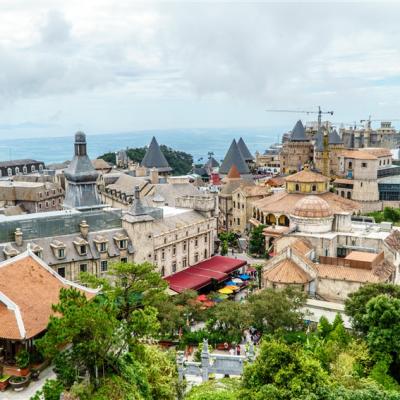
x=81 y=191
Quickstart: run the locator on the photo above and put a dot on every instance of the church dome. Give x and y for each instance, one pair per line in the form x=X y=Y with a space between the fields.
x=312 y=207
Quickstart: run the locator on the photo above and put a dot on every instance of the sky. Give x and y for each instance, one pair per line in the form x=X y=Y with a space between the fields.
x=105 y=66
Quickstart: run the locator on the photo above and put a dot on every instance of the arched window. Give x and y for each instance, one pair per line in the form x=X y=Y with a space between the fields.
x=33 y=169
x=348 y=195
x=40 y=167
x=314 y=188
x=24 y=170
x=16 y=170
x=9 y=171
x=297 y=187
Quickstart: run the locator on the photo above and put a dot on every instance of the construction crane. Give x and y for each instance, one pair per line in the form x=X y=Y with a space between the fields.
x=369 y=120
x=325 y=153
x=319 y=112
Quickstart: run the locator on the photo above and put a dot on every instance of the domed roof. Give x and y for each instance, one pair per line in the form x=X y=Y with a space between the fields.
x=312 y=207
x=80 y=137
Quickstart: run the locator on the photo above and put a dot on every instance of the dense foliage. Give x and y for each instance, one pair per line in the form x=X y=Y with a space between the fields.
x=388 y=214
x=180 y=162
x=257 y=241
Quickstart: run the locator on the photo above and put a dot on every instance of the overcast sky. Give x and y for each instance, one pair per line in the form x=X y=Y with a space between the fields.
x=114 y=66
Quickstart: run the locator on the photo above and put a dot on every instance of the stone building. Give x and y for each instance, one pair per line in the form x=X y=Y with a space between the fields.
x=81 y=192
x=234 y=157
x=297 y=151
x=20 y=167
x=358 y=172
x=32 y=197
x=154 y=158
x=385 y=136
x=329 y=278
x=278 y=208
x=225 y=198
x=334 y=148
x=242 y=205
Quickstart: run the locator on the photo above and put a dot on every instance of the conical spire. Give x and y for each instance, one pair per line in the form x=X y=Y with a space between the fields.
x=233 y=156
x=334 y=137
x=233 y=173
x=247 y=156
x=298 y=133
x=154 y=158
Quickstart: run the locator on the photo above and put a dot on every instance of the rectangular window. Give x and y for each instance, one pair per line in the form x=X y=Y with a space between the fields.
x=205 y=239
x=103 y=247
x=124 y=260
x=61 y=253
x=61 y=271
x=364 y=165
x=174 y=266
x=162 y=254
x=104 y=266
x=173 y=250
x=184 y=246
x=82 y=249
x=123 y=244
x=196 y=242
x=83 y=267
x=196 y=257
x=184 y=262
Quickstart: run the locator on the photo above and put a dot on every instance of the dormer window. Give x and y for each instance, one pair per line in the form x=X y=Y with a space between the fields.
x=82 y=250
x=58 y=249
x=102 y=247
x=61 y=253
x=123 y=244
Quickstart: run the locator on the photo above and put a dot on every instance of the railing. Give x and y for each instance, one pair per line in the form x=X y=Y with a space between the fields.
x=212 y=363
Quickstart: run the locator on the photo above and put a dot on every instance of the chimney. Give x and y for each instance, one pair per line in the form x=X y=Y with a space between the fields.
x=154 y=176
x=84 y=228
x=137 y=192
x=18 y=237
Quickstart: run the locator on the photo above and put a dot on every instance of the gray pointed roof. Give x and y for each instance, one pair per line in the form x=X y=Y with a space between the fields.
x=298 y=133
x=334 y=137
x=319 y=141
x=154 y=158
x=234 y=157
x=247 y=156
x=211 y=163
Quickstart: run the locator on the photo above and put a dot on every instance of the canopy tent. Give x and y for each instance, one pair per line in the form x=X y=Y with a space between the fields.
x=200 y=275
x=230 y=283
x=202 y=297
x=237 y=281
x=225 y=290
x=244 y=277
x=232 y=287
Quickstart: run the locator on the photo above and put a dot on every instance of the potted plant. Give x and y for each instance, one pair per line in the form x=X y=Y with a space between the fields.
x=4 y=382
x=22 y=360
x=18 y=383
x=35 y=374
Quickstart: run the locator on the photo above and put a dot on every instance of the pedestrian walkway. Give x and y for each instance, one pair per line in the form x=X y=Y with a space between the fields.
x=33 y=387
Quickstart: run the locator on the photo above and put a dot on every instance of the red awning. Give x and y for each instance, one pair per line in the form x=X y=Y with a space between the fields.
x=201 y=274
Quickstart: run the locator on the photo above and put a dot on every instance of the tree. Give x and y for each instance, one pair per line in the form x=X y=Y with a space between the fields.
x=259 y=269
x=229 y=318
x=223 y=389
x=257 y=240
x=272 y=310
x=391 y=214
x=282 y=372
x=224 y=248
x=355 y=305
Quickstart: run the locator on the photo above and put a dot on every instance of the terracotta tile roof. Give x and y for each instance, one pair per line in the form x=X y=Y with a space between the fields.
x=306 y=176
x=378 y=151
x=357 y=154
x=254 y=190
x=287 y=271
x=345 y=181
x=346 y=273
x=361 y=256
x=312 y=207
x=302 y=246
x=233 y=172
x=276 y=181
x=393 y=240
x=283 y=202
x=30 y=288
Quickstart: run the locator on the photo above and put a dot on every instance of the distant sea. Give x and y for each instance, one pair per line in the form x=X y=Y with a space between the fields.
x=197 y=142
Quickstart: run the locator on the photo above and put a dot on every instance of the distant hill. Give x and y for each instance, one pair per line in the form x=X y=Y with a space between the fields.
x=179 y=161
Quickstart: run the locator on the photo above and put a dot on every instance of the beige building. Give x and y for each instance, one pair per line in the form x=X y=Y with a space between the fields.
x=225 y=198
x=358 y=171
x=31 y=197
x=242 y=205
x=333 y=147
x=297 y=151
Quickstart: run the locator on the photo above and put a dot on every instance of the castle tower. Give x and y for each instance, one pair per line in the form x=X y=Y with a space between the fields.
x=81 y=191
